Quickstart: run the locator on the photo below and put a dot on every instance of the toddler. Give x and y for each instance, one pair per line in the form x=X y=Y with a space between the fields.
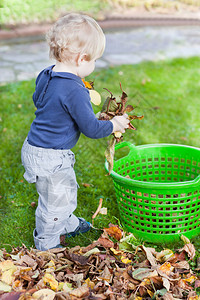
x=63 y=111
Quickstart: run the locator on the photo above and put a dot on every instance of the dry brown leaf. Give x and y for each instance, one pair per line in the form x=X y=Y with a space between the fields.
x=80 y=292
x=197 y=283
x=44 y=294
x=27 y=260
x=106 y=243
x=181 y=265
x=166 y=283
x=164 y=255
x=10 y=296
x=114 y=232
x=106 y=275
x=149 y=255
x=190 y=250
x=168 y=296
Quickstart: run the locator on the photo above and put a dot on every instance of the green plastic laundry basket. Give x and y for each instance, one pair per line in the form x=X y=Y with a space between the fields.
x=158 y=191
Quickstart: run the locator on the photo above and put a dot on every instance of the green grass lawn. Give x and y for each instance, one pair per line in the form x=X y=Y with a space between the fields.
x=167 y=93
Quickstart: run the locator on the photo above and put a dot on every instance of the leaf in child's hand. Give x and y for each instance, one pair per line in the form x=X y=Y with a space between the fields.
x=110 y=104
x=124 y=95
x=110 y=109
x=123 y=101
x=104 y=116
x=95 y=97
x=133 y=117
x=109 y=154
x=129 y=108
x=88 y=84
x=117 y=134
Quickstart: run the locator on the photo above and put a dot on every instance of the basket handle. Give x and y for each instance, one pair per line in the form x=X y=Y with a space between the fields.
x=197 y=180
x=124 y=144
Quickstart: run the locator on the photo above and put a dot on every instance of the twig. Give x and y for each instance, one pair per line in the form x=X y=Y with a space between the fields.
x=98 y=209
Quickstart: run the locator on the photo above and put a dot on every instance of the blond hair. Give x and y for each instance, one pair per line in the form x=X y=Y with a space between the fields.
x=75 y=34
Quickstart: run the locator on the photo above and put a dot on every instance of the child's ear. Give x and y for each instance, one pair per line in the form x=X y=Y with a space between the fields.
x=82 y=58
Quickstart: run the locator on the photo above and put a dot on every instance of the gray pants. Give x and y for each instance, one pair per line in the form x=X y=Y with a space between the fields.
x=52 y=172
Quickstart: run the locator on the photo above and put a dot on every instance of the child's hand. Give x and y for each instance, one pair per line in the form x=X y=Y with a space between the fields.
x=120 y=123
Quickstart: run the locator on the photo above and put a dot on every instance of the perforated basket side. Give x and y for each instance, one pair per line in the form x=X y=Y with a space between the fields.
x=159 y=217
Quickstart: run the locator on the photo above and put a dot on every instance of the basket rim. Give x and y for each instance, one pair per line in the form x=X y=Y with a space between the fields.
x=149 y=184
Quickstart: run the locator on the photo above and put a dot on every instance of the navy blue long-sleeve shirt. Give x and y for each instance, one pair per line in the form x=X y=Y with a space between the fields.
x=63 y=111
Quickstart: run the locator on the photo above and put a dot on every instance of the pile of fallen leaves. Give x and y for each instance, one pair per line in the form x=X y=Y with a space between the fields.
x=113 y=267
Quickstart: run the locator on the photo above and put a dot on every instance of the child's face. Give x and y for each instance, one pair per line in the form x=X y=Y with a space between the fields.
x=86 y=68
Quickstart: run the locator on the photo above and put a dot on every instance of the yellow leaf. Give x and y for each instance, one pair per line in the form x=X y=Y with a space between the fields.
x=125 y=260
x=151 y=294
x=17 y=285
x=194 y=297
x=89 y=283
x=23 y=269
x=49 y=280
x=191 y=279
x=50 y=264
x=87 y=84
x=44 y=294
x=146 y=281
x=7 y=276
x=166 y=268
x=117 y=252
x=7 y=269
